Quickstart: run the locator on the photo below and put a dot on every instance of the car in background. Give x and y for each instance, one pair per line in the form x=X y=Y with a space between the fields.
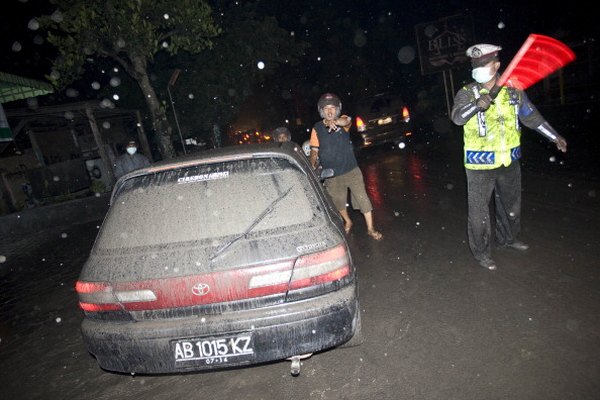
x=380 y=119
x=225 y=258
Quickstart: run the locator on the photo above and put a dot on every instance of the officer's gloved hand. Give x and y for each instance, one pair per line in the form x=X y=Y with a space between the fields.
x=561 y=144
x=484 y=102
x=547 y=130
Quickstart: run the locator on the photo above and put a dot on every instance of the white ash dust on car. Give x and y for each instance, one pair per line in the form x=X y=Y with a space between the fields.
x=231 y=257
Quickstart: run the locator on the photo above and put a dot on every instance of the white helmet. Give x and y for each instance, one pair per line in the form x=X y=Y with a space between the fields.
x=306 y=148
x=483 y=53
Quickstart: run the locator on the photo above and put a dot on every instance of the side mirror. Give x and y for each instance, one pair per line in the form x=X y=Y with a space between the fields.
x=327 y=173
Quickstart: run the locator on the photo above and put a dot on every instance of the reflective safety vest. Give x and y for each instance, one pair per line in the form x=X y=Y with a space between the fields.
x=493 y=138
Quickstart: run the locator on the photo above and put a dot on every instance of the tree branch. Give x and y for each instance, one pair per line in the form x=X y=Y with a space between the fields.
x=121 y=61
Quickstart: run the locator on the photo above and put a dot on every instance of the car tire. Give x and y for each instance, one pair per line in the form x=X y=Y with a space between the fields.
x=358 y=338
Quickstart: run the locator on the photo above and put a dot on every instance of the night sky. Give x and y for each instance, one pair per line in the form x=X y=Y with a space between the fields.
x=506 y=23
x=384 y=30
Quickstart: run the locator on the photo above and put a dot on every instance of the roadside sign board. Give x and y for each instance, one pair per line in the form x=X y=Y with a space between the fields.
x=442 y=44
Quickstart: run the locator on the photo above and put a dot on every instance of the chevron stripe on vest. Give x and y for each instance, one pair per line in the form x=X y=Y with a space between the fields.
x=489 y=157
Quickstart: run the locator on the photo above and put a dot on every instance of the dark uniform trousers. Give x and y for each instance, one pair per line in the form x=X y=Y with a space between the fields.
x=505 y=183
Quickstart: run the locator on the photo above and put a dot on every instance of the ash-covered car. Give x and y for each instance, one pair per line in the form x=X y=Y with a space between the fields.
x=231 y=257
x=381 y=119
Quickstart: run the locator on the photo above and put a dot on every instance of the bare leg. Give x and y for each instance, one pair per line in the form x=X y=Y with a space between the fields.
x=370 y=229
x=347 y=220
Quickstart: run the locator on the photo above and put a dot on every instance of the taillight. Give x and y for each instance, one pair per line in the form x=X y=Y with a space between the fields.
x=405 y=114
x=360 y=125
x=309 y=270
x=100 y=296
x=324 y=267
x=246 y=283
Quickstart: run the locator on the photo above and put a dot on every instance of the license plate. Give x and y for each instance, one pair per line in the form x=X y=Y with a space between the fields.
x=218 y=350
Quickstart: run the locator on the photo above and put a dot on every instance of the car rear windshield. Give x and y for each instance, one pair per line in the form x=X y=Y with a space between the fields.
x=379 y=105
x=208 y=202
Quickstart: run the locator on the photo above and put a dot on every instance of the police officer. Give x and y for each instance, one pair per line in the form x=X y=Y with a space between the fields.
x=491 y=118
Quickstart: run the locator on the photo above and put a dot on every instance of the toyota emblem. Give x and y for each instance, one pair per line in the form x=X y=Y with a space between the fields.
x=200 y=289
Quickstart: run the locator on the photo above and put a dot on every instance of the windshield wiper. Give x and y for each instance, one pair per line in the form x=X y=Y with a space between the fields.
x=256 y=221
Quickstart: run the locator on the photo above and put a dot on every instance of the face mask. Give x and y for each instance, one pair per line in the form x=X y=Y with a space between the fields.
x=131 y=150
x=483 y=74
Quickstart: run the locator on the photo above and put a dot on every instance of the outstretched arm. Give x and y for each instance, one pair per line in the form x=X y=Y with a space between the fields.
x=533 y=119
x=343 y=121
x=548 y=131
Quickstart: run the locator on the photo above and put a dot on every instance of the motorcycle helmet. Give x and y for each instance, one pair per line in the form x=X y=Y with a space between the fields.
x=329 y=99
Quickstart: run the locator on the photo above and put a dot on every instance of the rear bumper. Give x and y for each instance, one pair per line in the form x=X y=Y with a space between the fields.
x=277 y=333
x=376 y=137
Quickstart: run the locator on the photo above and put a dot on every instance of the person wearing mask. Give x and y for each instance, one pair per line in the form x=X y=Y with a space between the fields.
x=130 y=160
x=330 y=145
x=491 y=116
x=281 y=134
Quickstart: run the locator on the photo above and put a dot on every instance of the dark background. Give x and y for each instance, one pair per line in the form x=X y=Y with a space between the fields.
x=354 y=51
x=437 y=326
